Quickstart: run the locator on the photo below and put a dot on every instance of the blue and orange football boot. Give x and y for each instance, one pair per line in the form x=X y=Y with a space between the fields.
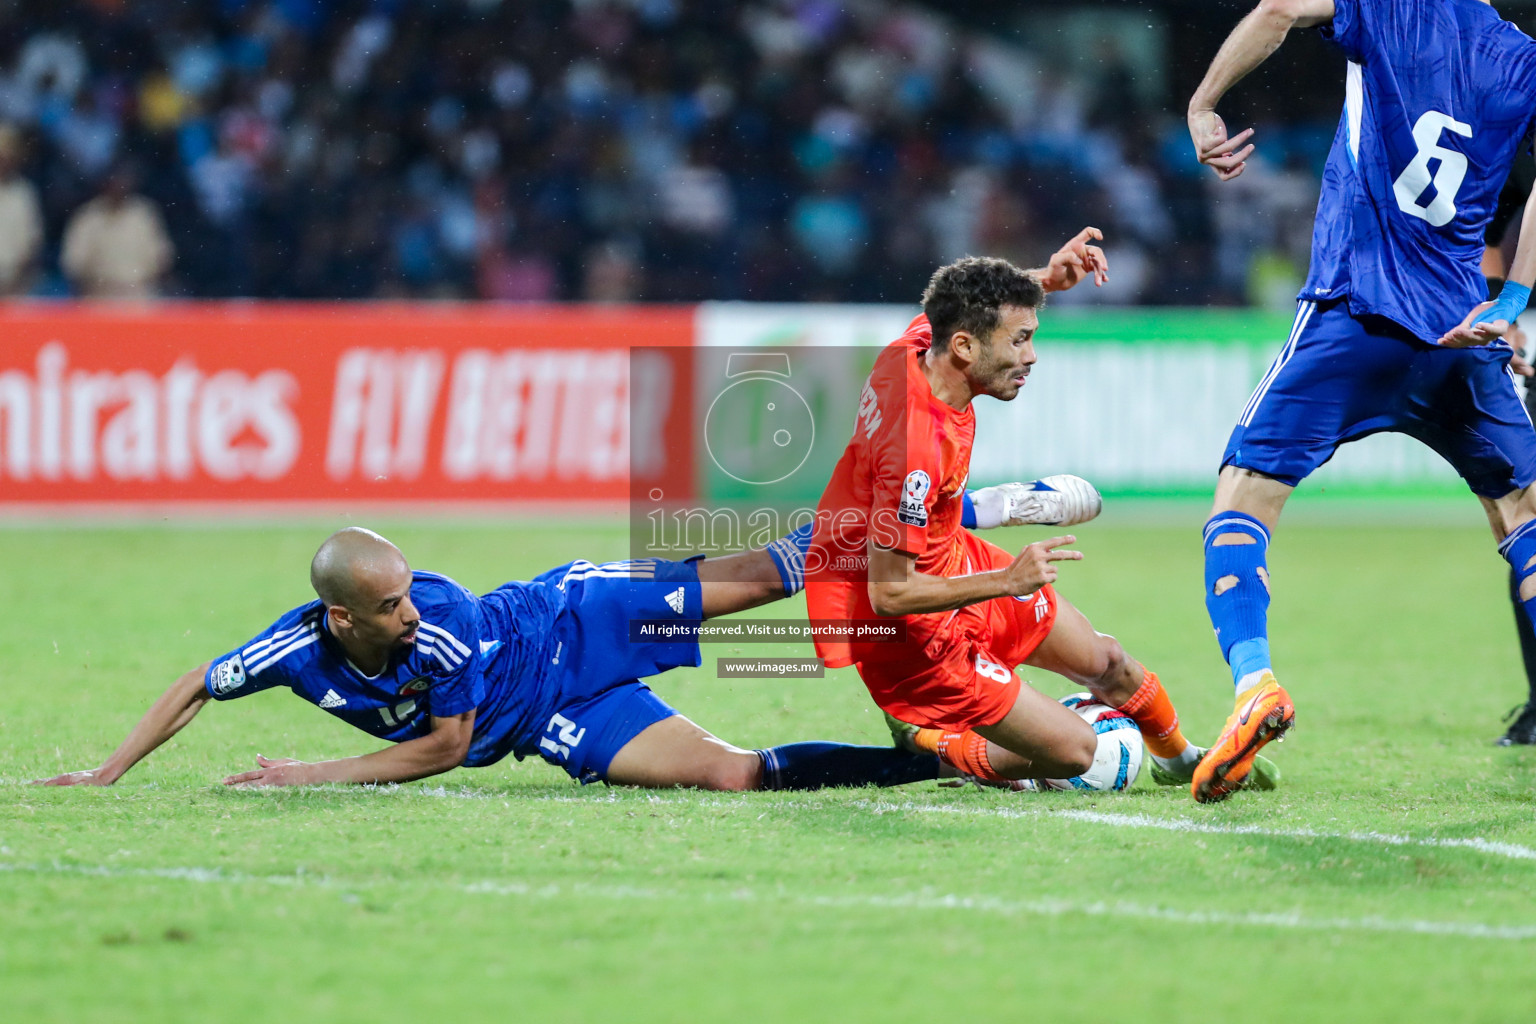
x=1264 y=713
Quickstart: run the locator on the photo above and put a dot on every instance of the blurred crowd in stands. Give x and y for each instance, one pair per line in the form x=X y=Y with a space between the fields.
x=604 y=150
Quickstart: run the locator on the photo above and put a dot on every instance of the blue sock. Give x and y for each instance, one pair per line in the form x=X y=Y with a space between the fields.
x=788 y=554
x=1237 y=594
x=1519 y=550
x=967 y=511
x=817 y=765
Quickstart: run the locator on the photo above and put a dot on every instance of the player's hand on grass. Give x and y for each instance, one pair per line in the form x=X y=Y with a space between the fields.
x=1035 y=566
x=1075 y=261
x=89 y=777
x=274 y=771
x=1471 y=332
x=1214 y=149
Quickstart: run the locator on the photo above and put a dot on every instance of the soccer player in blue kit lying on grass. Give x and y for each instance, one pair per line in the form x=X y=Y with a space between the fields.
x=541 y=667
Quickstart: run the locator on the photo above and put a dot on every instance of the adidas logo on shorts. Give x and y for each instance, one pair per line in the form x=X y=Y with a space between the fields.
x=675 y=600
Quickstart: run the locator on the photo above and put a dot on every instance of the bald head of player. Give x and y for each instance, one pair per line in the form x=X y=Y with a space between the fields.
x=365 y=584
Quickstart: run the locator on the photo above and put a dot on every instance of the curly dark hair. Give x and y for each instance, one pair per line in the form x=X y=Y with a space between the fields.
x=968 y=294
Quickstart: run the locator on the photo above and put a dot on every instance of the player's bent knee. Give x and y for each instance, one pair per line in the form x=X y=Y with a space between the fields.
x=1076 y=756
x=1068 y=753
x=1103 y=661
x=1121 y=676
x=733 y=773
x=1113 y=654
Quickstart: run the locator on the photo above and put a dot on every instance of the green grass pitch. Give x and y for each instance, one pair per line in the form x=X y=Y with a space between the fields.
x=1391 y=878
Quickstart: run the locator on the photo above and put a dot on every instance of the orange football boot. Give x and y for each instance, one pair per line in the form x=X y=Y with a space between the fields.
x=1264 y=712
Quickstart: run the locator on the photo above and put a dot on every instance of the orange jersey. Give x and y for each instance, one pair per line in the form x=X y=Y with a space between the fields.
x=901 y=481
x=960 y=675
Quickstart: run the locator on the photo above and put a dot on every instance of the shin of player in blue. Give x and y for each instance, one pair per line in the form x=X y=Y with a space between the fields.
x=817 y=765
x=1519 y=550
x=788 y=554
x=1237 y=593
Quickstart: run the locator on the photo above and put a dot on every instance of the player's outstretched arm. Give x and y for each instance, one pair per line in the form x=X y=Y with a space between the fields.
x=897 y=588
x=441 y=750
x=165 y=718
x=1256 y=37
x=1489 y=321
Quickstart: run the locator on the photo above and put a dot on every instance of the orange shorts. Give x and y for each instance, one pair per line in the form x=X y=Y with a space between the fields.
x=956 y=670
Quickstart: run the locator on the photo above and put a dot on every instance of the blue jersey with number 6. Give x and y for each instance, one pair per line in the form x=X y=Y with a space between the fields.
x=1439 y=96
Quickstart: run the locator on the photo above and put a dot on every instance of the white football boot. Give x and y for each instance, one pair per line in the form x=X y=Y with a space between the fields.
x=1061 y=500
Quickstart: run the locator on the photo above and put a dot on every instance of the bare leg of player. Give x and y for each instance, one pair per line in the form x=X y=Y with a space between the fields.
x=1254 y=494
x=1039 y=739
x=1508 y=516
x=1076 y=650
x=1509 y=513
x=676 y=752
x=1042 y=739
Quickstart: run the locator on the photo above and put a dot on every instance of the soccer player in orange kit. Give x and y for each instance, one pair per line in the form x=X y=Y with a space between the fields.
x=889 y=542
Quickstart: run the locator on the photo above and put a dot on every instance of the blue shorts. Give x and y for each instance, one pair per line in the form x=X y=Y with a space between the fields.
x=599 y=703
x=1341 y=377
x=584 y=737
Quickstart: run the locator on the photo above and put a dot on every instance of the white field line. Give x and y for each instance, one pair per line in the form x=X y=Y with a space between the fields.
x=1113 y=819
x=920 y=901
x=1492 y=847
x=1116 y=820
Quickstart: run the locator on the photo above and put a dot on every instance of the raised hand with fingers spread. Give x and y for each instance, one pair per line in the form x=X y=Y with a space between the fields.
x=1078 y=259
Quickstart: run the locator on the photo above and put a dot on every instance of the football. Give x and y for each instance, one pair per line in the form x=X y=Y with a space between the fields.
x=1121 y=750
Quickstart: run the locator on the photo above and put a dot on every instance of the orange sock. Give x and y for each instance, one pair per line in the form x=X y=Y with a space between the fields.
x=927 y=740
x=1153 y=713
x=967 y=751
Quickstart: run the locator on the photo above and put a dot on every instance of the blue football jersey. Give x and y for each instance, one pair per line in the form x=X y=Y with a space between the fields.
x=465 y=656
x=1439 y=96
x=520 y=655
